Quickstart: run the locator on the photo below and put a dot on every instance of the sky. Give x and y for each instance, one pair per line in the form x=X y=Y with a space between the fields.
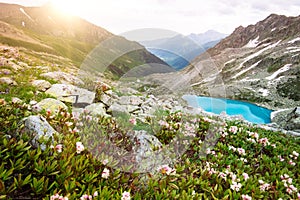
x=181 y=16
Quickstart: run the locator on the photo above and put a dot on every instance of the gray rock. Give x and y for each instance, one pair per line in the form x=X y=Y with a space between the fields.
x=8 y=81
x=97 y=109
x=41 y=85
x=72 y=94
x=132 y=108
x=50 y=104
x=130 y=100
x=288 y=119
x=117 y=109
x=38 y=128
x=106 y=99
x=63 y=77
x=145 y=144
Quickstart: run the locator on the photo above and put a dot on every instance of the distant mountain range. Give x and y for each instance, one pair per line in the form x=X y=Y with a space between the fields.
x=258 y=63
x=180 y=50
x=44 y=29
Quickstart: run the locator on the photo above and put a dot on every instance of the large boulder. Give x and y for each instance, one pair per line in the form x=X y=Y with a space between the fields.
x=51 y=104
x=131 y=100
x=97 y=109
x=288 y=119
x=41 y=85
x=38 y=128
x=69 y=93
x=144 y=144
x=117 y=109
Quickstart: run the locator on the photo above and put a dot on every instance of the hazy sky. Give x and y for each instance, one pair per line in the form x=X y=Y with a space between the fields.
x=183 y=16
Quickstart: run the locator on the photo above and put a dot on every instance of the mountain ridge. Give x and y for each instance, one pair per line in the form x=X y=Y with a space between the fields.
x=44 y=29
x=251 y=64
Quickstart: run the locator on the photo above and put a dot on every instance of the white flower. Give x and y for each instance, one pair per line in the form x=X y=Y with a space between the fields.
x=105 y=173
x=241 y=151
x=233 y=129
x=281 y=159
x=58 y=148
x=246 y=176
x=235 y=186
x=223 y=175
x=105 y=161
x=295 y=153
x=246 y=197
x=292 y=163
x=263 y=186
x=79 y=147
x=125 y=196
x=165 y=169
x=95 y=194
x=264 y=141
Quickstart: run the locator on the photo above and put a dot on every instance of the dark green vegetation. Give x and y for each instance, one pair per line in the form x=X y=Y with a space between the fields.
x=27 y=172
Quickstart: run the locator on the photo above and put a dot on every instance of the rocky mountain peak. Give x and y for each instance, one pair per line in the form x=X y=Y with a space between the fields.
x=271 y=29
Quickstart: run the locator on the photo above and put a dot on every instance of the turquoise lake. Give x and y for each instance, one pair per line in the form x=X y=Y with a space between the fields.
x=250 y=112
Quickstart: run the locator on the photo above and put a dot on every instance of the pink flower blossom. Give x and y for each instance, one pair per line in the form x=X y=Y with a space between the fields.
x=211 y=171
x=246 y=176
x=95 y=194
x=105 y=161
x=85 y=196
x=164 y=124
x=223 y=175
x=105 y=173
x=264 y=141
x=295 y=153
x=79 y=147
x=263 y=186
x=246 y=197
x=132 y=121
x=165 y=169
x=292 y=163
x=57 y=196
x=281 y=159
x=233 y=129
x=125 y=196
x=241 y=151
x=235 y=186
x=58 y=148
x=254 y=135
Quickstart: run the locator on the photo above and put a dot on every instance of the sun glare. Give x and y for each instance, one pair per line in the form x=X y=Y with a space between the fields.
x=68 y=6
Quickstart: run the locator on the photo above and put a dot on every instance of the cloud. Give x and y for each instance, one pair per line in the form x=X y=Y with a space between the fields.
x=181 y=16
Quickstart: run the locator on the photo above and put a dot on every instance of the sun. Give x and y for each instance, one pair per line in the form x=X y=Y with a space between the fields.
x=72 y=7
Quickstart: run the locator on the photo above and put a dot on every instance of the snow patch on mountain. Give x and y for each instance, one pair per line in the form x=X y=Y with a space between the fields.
x=294 y=40
x=257 y=54
x=28 y=16
x=245 y=70
x=281 y=70
x=252 y=43
x=264 y=92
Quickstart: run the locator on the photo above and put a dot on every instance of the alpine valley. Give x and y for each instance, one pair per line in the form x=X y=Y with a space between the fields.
x=86 y=114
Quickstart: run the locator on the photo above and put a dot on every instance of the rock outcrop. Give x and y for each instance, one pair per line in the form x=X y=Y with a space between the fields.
x=289 y=119
x=69 y=93
x=38 y=129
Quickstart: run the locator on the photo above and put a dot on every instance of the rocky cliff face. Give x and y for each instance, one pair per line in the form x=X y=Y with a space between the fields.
x=258 y=63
